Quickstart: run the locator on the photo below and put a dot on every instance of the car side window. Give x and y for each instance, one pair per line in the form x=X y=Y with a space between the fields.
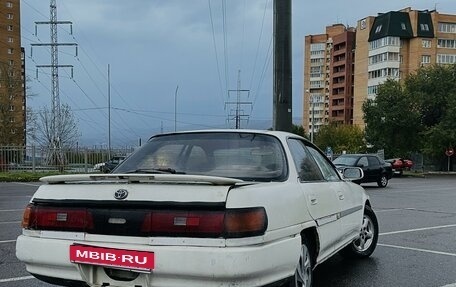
x=373 y=161
x=307 y=168
x=363 y=161
x=329 y=172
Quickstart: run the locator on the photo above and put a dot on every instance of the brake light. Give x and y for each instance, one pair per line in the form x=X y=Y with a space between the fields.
x=232 y=223
x=245 y=222
x=62 y=219
x=204 y=223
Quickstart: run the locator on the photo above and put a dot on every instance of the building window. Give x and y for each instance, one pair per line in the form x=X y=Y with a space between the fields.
x=378 y=29
x=446 y=43
x=426 y=43
x=11 y=62
x=9 y=4
x=9 y=16
x=447 y=27
x=11 y=120
x=11 y=108
x=372 y=90
x=10 y=51
x=10 y=40
x=425 y=59
x=10 y=28
x=446 y=59
x=383 y=42
x=424 y=27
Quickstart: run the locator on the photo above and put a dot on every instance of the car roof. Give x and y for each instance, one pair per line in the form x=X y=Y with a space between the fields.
x=278 y=134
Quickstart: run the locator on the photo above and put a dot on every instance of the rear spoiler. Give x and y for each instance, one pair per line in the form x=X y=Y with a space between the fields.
x=139 y=178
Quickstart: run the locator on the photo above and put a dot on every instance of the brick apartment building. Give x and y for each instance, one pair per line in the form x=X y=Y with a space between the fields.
x=328 y=77
x=344 y=66
x=12 y=75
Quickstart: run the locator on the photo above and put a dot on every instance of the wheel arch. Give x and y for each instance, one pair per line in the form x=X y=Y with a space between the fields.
x=313 y=239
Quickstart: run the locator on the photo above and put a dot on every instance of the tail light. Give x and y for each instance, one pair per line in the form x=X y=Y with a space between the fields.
x=61 y=219
x=230 y=223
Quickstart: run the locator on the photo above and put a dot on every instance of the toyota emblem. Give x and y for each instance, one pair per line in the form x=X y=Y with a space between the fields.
x=121 y=194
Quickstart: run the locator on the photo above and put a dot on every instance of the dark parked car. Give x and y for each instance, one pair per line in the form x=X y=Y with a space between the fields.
x=112 y=163
x=375 y=169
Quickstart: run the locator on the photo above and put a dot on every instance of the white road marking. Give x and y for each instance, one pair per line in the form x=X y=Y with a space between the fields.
x=450 y=285
x=393 y=209
x=418 y=249
x=7 y=241
x=10 y=222
x=418 y=229
x=26 y=183
x=16 y=279
x=10 y=210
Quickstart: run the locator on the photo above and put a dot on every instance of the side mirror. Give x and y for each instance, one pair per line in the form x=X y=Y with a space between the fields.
x=352 y=173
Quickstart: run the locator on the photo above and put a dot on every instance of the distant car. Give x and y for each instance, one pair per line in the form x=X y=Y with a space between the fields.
x=375 y=169
x=203 y=208
x=98 y=166
x=112 y=163
x=399 y=165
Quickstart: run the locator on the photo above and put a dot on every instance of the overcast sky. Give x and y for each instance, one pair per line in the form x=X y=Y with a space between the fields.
x=160 y=49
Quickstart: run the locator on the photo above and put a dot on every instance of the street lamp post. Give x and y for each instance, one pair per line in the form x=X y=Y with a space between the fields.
x=312 y=123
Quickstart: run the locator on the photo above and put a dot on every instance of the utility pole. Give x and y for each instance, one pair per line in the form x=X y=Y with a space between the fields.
x=54 y=66
x=282 y=98
x=109 y=112
x=238 y=111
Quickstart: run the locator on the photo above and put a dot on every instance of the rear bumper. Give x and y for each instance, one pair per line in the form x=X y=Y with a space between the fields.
x=255 y=265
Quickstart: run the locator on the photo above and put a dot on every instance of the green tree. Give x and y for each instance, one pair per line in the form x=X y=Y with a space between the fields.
x=433 y=90
x=392 y=120
x=298 y=130
x=341 y=138
x=418 y=114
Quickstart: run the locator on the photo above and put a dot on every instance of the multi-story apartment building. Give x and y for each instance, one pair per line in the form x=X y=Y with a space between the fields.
x=12 y=75
x=395 y=44
x=328 y=77
x=316 y=78
x=389 y=45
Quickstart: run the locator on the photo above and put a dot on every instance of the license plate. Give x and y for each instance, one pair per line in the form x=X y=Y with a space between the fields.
x=111 y=257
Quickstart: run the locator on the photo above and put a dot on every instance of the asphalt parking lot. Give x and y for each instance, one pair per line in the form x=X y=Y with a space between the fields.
x=417 y=243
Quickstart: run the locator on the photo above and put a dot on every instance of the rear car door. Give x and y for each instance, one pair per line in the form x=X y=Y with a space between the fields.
x=375 y=169
x=320 y=194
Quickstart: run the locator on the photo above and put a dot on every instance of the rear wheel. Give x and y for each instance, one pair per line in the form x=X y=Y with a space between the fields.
x=303 y=273
x=365 y=245
x=382 y=181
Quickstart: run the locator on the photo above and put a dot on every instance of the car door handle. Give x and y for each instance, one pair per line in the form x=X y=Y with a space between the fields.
x=313 y=200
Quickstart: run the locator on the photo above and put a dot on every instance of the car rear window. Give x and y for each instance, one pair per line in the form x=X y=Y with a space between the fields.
x=246 y=156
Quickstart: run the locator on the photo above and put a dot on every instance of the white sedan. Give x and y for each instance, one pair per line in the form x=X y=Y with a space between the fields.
x=202 y=208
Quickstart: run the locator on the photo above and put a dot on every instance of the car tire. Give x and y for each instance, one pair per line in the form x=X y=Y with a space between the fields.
x=303 y=274
x=365 y=245
x=382 y=181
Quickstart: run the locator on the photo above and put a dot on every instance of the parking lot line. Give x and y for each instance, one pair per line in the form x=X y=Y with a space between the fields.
x=418 y=249
x=29 y=184
x=7 y=241
x=10 y=222
x=11 y=210
x=417 y=229
x=16 y=279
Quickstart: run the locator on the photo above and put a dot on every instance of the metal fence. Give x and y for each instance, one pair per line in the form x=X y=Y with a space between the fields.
x=38 y=159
